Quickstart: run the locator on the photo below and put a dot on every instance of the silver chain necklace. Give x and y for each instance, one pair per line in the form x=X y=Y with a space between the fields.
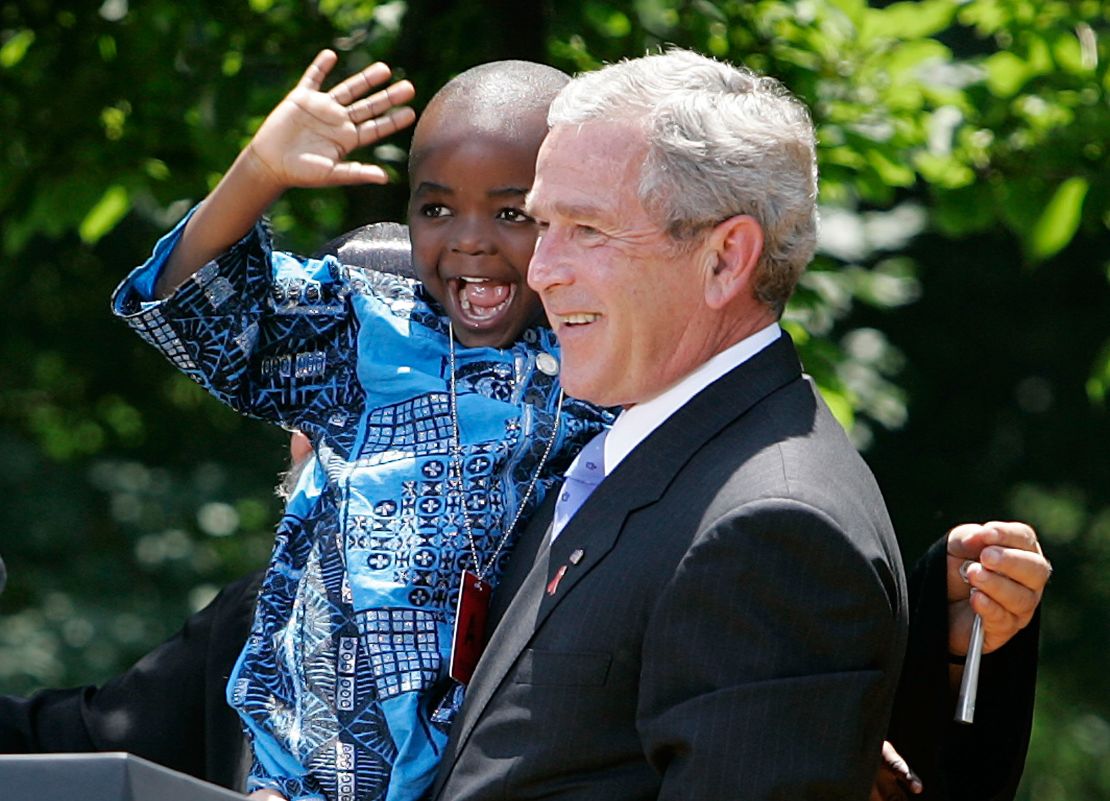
x=456 y=463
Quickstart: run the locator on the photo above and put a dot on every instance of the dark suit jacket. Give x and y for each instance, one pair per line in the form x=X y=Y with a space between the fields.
x=733 y=628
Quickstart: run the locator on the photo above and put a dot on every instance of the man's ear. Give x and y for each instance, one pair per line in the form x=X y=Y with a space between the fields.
x=735 y=246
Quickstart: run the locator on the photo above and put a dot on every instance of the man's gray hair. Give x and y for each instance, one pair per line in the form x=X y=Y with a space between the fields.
x=722 y=141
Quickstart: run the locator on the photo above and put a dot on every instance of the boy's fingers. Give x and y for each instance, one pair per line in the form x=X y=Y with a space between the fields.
x=318 y=70
x=380 y=102
x=346 y=173
x=350 y=89
x=380 y=127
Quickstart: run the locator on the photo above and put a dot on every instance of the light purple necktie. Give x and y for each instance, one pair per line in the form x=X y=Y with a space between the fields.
x=584 y=474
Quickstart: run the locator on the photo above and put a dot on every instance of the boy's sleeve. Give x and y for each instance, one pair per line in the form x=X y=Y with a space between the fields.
x=264 y=332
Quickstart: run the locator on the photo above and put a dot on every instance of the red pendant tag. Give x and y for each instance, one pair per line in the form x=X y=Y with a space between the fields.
x=470 y=626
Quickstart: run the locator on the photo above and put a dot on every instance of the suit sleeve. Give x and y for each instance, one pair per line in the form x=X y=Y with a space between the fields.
x=770 y=661
x=167 y=708
x=956 y=762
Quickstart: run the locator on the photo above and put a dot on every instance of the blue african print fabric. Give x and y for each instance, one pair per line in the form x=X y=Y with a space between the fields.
x=343 y=683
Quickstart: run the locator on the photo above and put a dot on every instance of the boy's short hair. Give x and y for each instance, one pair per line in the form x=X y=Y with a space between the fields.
x=499 y=96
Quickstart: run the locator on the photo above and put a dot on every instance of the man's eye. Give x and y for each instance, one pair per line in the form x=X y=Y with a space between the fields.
x=513 y=215
x=434 y=210
x=588 y=232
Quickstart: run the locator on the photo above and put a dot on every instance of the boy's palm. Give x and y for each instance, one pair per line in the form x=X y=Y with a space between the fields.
x=306 y=138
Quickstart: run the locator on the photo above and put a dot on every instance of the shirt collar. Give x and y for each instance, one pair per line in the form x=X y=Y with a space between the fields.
x=634 y=424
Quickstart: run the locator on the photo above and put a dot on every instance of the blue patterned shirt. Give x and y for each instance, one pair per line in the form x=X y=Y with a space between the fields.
x=343 y=683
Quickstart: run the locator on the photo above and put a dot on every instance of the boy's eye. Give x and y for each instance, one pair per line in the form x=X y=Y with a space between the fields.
x=434 y=210
x=513 y=215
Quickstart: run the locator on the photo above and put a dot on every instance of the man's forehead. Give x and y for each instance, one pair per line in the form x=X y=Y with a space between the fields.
x=582 y=169
x=617 y=136
x=543 y=206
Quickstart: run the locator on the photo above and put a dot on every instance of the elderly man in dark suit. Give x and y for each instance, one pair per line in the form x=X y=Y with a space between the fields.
x=724 y=616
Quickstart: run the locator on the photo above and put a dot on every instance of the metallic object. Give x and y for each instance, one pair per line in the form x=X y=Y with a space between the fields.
x=969 y=684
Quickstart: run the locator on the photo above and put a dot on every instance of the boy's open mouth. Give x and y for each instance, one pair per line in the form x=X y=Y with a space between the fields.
x=481 y=300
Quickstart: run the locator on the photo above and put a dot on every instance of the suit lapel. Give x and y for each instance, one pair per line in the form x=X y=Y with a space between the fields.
x=640 y=479
x=644 y=475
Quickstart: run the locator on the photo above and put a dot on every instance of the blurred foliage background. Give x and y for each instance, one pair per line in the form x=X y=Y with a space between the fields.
x=956 y=316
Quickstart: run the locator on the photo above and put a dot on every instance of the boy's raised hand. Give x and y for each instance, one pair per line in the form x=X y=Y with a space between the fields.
x=304 y=142
x=306 y=138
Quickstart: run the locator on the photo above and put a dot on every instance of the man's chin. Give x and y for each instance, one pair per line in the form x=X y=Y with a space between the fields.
x=582 y=388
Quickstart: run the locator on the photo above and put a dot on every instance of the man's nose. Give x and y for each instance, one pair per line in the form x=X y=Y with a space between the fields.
x=548 y=267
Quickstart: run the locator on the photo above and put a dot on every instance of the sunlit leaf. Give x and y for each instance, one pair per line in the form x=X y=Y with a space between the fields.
x=892 y=172
x=1006 y=73
x=103 y=217
x=107 y=47
x=943 y=170
x=1098 y=385
x=855 y=10
x=16 y=48
x=1060 y=219
x=909 y=20
x=840 y=405
x=1040 y=57
x=232 y=63
x=911 y=55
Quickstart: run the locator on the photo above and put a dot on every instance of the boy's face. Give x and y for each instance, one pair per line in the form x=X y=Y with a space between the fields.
x=471 y=240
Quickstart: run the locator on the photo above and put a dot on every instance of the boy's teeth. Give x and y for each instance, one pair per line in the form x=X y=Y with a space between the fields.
x=577 y=319
x=483 y=298
x=473 y=309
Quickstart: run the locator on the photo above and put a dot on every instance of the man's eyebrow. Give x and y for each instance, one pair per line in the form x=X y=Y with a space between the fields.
x=582 y=212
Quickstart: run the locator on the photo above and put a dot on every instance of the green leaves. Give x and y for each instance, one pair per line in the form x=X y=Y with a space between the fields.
x=112 y=207
x=15 y=48
x=1060 y=220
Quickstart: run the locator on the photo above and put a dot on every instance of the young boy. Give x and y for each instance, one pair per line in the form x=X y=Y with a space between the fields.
x=428 y=452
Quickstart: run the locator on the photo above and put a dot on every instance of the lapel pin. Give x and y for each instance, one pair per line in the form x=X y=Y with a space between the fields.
x=576 y=556
x=554 y=583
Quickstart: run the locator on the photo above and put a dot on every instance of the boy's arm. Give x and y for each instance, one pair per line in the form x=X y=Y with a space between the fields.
x=302 y=143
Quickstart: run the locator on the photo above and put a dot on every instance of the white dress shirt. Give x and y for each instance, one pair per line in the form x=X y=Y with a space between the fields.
x=635 y=423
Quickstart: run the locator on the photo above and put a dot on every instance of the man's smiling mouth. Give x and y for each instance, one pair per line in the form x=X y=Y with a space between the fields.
x=579 y=318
